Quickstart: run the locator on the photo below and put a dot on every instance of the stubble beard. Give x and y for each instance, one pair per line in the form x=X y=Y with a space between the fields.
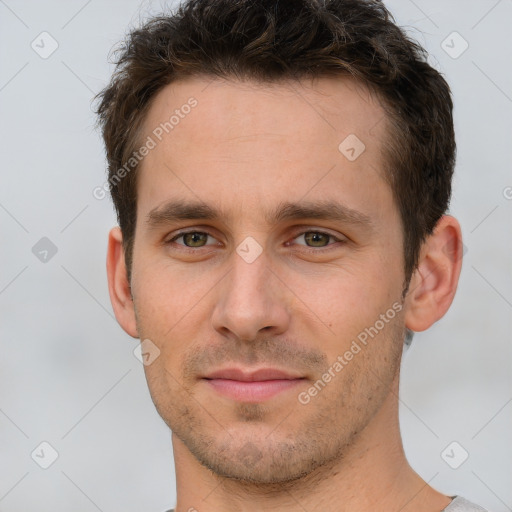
x=268 y=451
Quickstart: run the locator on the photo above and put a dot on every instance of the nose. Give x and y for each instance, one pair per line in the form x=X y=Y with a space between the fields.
x=251 y=300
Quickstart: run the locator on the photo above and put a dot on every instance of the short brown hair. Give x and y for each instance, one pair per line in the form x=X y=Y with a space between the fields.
x=267 y=40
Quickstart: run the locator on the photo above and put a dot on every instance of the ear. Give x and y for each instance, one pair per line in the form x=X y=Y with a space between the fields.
x=434 y=282
x=118 y=285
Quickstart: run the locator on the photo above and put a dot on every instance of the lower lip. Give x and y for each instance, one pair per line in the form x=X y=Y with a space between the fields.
x=252 y=391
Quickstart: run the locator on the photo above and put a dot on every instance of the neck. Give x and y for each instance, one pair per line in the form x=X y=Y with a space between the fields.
x=372 y=474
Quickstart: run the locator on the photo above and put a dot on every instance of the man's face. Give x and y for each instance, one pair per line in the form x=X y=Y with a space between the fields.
x=252 y=289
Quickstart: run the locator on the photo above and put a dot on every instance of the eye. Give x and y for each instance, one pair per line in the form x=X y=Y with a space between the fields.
x=317 y=239
x=192 y=239
x=312 y=239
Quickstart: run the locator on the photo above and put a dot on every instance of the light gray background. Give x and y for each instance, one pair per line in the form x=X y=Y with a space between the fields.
x=68 y=375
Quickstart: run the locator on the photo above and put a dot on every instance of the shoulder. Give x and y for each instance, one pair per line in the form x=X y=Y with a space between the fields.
x=460 y=504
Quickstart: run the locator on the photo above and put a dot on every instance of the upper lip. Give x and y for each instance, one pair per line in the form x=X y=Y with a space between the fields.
x=252 y=375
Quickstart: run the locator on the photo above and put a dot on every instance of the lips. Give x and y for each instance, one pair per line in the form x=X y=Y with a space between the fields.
x=252 y=376
x=251 y=386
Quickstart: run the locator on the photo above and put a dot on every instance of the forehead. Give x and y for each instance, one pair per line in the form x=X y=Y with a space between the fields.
x=231 y=139
x=311 y=108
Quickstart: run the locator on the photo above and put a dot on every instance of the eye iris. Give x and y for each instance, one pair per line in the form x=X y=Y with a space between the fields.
x=194 y=238
x=315 y=237
x=197 y=239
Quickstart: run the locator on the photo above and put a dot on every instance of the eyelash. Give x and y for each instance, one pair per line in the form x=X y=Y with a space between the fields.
x=304 y=247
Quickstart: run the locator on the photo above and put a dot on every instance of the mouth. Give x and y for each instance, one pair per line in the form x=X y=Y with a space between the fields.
x=252 y=386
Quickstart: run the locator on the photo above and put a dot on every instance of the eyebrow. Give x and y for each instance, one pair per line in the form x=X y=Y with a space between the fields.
x=176 y=210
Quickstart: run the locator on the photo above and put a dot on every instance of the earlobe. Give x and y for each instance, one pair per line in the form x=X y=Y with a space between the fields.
x=118 y=285
x=434 y=282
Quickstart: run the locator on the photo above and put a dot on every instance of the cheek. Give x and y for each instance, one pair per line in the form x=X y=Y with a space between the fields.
x=170 y=310
x=345 y=298
x=164 y=292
